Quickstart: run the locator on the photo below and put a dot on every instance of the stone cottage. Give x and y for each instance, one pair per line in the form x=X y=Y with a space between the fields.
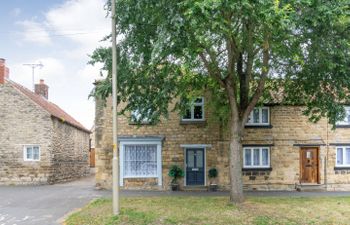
x=40 y=143
x=282 y=150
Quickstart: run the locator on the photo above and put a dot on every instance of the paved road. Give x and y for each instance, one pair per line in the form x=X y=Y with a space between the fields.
x=44 y=205
x=48 y=204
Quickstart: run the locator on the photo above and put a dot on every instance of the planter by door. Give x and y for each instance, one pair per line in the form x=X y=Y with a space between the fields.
x=309 y=166
x=195 y=166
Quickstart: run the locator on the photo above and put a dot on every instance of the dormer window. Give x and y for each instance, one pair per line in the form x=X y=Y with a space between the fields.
x=260 y=116
x=196 y=111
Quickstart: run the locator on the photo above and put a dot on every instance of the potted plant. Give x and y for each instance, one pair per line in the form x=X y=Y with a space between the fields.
x=212 y=174
x=175 y=172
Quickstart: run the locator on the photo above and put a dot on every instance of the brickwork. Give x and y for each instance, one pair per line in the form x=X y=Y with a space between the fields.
x=290 y=129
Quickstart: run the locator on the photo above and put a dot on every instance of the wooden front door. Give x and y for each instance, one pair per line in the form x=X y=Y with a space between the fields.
x=309 y=165
x=195 y=166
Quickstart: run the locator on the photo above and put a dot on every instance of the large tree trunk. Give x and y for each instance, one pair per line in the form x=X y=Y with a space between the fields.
x=235 y=161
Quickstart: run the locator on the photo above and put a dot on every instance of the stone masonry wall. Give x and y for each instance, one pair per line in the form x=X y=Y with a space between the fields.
x=288 y=131
x=23 y=123
x=70 y=152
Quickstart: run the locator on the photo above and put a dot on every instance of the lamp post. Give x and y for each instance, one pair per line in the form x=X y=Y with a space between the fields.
x=115 y=170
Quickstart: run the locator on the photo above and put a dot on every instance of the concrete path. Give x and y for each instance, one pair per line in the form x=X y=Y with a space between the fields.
x=49 y=204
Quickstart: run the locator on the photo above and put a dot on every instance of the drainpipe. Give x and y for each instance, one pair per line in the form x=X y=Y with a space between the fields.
x=326 y=158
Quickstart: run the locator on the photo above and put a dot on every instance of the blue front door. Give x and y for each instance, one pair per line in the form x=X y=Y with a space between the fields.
x=195 y=166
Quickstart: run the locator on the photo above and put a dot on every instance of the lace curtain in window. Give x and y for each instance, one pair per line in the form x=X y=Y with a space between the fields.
x=140 y=160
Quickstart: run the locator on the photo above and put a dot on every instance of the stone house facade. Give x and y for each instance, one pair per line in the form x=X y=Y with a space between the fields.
x=282 y=150
x=40 y=143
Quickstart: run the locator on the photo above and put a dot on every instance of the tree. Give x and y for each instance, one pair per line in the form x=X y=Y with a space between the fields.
x=239 y=51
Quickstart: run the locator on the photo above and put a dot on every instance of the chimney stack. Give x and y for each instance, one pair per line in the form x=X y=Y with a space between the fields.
x=4 y=71
x=42 y=89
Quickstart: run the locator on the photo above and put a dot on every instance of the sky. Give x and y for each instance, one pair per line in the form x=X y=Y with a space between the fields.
x=60 y=34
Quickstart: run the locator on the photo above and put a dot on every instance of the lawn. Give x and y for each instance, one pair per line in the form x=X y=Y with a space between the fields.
x=216 y=210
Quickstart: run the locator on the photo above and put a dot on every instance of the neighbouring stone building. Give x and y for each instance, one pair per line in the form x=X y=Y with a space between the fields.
x=282 y=150
x=40 y=143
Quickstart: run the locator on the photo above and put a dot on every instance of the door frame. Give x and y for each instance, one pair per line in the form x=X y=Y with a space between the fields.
x=318 y=162
x=205 y=163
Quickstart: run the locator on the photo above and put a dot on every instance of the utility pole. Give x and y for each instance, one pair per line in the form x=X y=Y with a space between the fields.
x=115 y=170
x=33 y=66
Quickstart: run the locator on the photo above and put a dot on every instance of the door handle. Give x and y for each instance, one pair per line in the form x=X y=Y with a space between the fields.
x=195 y=169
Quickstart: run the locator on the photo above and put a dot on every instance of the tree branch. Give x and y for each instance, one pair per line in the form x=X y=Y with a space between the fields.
x=259 y=90
x=211 y=72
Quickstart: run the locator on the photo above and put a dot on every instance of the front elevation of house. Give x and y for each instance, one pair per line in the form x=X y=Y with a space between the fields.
x=282 y=150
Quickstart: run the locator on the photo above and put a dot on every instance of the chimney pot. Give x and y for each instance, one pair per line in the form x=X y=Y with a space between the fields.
x=42 y=89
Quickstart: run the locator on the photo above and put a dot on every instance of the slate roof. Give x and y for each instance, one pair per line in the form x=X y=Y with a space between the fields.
x=50 y=107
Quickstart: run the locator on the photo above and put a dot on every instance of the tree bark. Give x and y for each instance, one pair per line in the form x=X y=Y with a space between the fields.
x=235 y=162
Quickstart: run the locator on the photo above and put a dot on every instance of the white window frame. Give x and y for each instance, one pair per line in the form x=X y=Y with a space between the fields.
x=251 y=148
x=25 y=149
x=344 y=156
x=192 y=111
x=143 y=142
x=345 y=122
x=260 y=123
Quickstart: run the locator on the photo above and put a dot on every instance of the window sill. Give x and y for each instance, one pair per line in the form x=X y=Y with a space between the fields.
x=195 y=122
x=259 y=126
x=342 y=168
x=257 y=169
x=342 y=126
x=140 y=177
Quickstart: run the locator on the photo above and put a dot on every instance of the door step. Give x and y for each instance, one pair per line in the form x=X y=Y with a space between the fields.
x=195 y=188
x=305 y=187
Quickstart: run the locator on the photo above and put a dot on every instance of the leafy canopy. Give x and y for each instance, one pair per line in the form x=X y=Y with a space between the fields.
x=240 y=52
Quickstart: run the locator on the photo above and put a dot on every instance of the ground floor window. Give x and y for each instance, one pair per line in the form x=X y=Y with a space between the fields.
x=256 y=157
x=140 y=159
x=343 y=156
x=31 y=153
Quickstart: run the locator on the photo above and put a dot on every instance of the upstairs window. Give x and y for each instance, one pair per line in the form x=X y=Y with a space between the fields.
x=31 y=153
x=346 y=120
x=196 y=112
x=256 y=157
x=343 y=156
x=136 y=116
x=259 y=116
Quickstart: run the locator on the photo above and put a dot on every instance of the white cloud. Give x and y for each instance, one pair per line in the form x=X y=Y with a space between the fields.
x=52 y=70
x=34 y=32
x=83 y=21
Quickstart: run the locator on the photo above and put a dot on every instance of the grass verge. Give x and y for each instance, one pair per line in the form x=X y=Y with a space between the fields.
x=216 y=210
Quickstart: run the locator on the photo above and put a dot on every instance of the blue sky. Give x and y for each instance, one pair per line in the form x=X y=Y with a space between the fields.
x=59 y=34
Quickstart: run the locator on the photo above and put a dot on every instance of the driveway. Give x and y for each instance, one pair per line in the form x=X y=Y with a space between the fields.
x=45 y=205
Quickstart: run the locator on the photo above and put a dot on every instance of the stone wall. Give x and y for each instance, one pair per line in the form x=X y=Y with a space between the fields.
x=289 y=131
x=63 y=149
x=70 y=152
x=23 y=123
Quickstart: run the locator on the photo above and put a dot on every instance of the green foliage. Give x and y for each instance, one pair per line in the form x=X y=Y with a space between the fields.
x=175 y=172
x=212 y=173
x=172 y=50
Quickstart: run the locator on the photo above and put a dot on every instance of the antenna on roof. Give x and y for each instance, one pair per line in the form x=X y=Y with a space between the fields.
x=33 y=66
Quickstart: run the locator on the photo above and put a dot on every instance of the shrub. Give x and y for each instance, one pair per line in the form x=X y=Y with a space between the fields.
x=175 y=172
